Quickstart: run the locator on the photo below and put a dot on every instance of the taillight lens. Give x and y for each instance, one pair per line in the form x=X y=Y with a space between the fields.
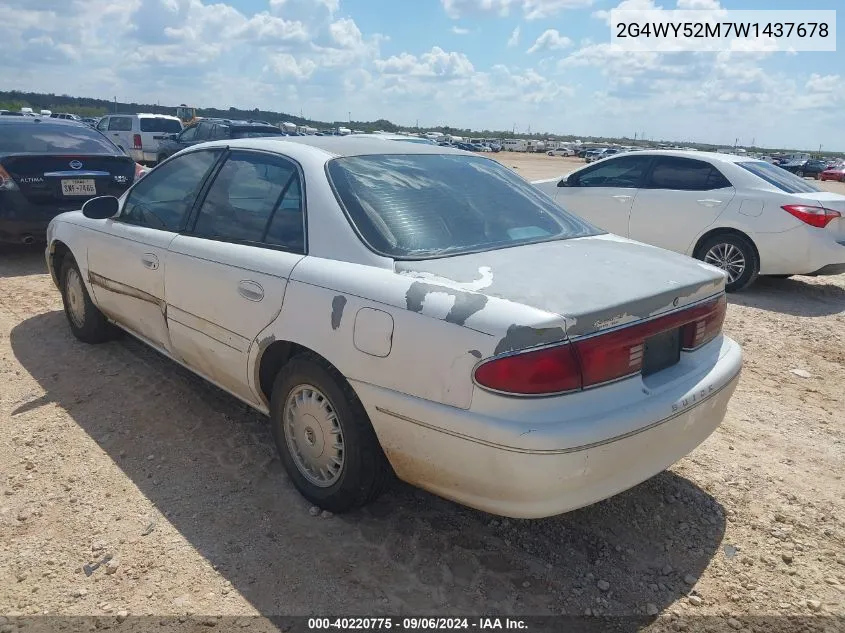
x=6 y=182
x=597 y=359
x=136 y=141
x=818 y=217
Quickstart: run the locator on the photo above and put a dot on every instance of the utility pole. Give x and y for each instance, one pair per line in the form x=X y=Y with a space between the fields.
x=350 y=116
x=115 y=105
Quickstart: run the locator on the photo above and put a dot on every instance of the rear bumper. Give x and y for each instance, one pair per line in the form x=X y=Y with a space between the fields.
x=22 y=222
x=804 y=250
x=517 y=481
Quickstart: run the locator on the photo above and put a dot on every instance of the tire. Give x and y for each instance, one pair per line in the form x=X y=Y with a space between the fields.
x=799 y=173
x=86 y=321
x=326 y=398
x=731 y=247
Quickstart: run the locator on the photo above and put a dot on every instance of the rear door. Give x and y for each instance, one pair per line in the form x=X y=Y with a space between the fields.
x=680 y=198
x=127 y=255
x=227 y=275
x=154 y=130
x=120 y=131
x=604 y=193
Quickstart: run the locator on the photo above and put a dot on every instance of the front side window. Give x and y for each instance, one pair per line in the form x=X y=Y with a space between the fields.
x=255 y=198
x=414 y=206
x=163 y=198
x=203 y=132
x=685 y=174
x=120 y=124
x=188 y=135
x=624 y=172
x=103 y=124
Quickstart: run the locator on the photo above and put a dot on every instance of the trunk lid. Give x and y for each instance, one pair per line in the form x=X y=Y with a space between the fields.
x=595 y=283
x=835 y=202
x=40 y=177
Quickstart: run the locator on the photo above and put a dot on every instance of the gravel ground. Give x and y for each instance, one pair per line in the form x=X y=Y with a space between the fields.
x=113 y=454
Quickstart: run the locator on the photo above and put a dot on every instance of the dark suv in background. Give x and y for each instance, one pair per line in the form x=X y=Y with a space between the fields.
x=215 y=130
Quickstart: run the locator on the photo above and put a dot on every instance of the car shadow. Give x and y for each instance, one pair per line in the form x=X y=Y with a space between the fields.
x=208 y=464
x=796 y=296
x=20 y=260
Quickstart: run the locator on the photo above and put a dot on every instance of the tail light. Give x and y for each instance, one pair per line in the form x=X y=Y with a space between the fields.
x=136 y=141
x=6 y=182
x=597 y=359
x=818 y=217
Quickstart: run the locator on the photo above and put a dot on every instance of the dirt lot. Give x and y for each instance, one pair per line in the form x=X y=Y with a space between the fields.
x=114 y=450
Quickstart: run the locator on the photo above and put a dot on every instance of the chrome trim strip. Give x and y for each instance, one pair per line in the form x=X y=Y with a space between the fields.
x=560 y=451
x=76 y=172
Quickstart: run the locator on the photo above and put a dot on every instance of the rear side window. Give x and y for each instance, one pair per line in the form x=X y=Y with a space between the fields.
x=415 y=206
x=163 y=198
x=255 y=198
x=684 y=174
x=255 y=133
x=120 y=124
x=777 y=177
x=167 y=126
x=52 y=138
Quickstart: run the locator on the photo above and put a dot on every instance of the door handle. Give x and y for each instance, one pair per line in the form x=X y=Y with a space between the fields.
x=709 y=202
x=250 y=290
x=149 y=261
x=622 y=198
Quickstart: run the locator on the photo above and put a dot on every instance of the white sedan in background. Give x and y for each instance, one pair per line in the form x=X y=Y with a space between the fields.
x=746 y=216
x=408 y=308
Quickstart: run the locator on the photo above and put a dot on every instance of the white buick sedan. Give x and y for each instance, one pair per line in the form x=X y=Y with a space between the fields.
x=408 y=309
x=746 y=216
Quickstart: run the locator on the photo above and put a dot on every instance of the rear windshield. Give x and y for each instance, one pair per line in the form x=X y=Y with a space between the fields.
x=780 y=178
x=256 y=133
x=46 y=138
x=168 y=126
x=416 y=206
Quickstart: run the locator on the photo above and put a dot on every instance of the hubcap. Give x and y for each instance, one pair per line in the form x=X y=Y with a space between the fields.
x=75 y=298
x=729 y=258
x=313 y=435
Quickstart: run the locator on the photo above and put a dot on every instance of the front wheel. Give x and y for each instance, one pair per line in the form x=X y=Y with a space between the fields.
x=324 y=437
x=86 y=321
x=735 y=255
x=799 y=173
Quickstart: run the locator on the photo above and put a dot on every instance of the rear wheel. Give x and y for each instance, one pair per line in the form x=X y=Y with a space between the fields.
x=86 y=322
x=735 y=255
x=324 y=437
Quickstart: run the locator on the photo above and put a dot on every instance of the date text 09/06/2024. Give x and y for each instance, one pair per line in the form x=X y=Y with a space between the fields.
x=416 y=624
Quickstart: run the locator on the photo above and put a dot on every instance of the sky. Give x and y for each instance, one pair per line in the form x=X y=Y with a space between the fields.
x=524 y=65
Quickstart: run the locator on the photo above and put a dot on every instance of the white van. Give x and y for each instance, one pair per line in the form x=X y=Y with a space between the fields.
x=139 y=135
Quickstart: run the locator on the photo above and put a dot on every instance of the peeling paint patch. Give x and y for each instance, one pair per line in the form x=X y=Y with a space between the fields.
x=338 y=304
x=484 y=281
x=266 y=342
x=522 y=337
x=475 y=352
x=466 y=303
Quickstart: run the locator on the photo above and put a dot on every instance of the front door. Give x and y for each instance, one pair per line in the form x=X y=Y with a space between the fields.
x=226 y=277
x=603 y=194
x=128 y=256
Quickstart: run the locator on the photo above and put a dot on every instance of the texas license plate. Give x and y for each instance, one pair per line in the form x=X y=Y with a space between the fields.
x=79 y=187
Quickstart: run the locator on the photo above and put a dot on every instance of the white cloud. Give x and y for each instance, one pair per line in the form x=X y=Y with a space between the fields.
x=825 y=83
x=513 y=40
x=435 y=63
x=457 y=30
x=550 y=40
x=531 y=9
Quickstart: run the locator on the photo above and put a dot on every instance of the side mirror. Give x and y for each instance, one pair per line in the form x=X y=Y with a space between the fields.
x=570 y=181
x=101 y=208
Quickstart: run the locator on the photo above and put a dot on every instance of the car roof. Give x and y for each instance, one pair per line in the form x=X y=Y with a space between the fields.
x=711 y=156
x=337 y=146
x=40 y=120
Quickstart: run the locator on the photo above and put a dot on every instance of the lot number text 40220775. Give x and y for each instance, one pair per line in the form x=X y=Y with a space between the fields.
x=416 y=624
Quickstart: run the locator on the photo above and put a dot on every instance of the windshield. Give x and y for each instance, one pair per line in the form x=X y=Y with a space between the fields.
x=45 y=138
x=417 y=206
x=168 y=126
x=778 y=177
